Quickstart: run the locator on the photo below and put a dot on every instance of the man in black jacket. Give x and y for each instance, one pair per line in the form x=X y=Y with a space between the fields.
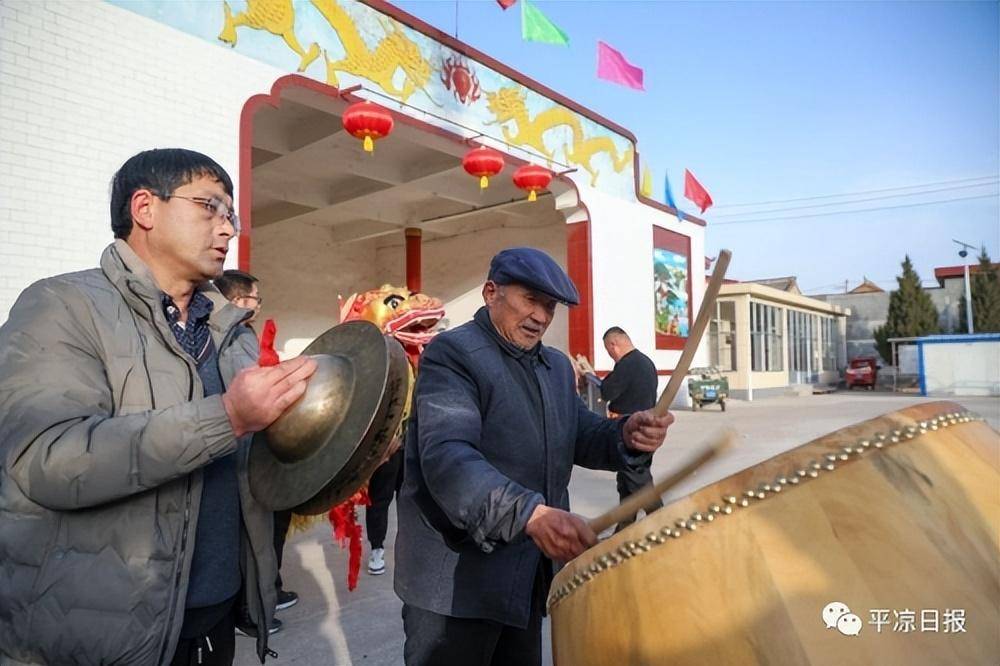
x=496 y=429
x=630 y=388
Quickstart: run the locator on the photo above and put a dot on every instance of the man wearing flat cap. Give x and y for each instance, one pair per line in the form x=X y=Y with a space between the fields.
x=483 y=513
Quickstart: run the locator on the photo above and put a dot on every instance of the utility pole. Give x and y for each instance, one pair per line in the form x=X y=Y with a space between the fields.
x=963 y=253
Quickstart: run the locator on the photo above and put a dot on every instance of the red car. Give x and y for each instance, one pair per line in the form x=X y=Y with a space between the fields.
x=863 y=371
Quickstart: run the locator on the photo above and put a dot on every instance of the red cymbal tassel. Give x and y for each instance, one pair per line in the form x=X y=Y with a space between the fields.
x=347 y=531
x=267 y=354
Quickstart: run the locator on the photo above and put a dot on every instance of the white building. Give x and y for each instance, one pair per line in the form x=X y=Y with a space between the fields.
x=261 y=87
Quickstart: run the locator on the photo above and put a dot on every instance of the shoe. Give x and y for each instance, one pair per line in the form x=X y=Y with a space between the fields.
x=286 y=600
x=251 y=631
x=376 y=562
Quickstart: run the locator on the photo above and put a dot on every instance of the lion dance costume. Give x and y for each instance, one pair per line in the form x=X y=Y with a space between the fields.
x=411 y=318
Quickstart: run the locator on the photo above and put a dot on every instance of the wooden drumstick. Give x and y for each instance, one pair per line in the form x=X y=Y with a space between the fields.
x=695 y=333
x=647 y=495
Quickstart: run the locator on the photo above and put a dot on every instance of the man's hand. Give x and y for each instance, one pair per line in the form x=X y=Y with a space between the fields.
x=559 y=534
x=258 y=396
x=644 y=431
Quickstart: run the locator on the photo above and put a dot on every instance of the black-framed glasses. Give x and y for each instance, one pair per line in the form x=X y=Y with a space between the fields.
x=214 y=205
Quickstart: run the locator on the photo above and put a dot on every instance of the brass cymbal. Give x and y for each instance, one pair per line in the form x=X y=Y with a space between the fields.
x=324 y=447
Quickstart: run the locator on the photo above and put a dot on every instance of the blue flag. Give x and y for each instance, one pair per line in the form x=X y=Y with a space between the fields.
x=670 y=196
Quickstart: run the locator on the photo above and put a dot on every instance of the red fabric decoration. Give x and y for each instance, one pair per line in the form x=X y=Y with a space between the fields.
x=267 y=354
x=368 y=121
x=506 y=4
x=693 y=191
x=532 y=178
x=483 y=162
x=347 y=531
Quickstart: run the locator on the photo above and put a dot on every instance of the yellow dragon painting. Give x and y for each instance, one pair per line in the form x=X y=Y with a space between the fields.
x=394 y=52
x=275 y=16
x=510 y=105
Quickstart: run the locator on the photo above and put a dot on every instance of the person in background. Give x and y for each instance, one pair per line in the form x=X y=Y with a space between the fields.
x=630 y=388
x=243 y=290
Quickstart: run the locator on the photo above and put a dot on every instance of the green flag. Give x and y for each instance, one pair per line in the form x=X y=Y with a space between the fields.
x=536 y=27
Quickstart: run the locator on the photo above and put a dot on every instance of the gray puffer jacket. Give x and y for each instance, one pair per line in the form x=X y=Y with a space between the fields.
x=103 y=437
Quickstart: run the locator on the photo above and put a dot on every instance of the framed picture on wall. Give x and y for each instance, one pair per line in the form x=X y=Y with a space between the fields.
x=671 y=288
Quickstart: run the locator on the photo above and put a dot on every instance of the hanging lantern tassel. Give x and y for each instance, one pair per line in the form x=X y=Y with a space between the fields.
x=368 y=122
x=533 y=179
x=483 y=162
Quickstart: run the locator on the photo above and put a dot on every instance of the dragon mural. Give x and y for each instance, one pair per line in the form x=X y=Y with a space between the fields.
x=381 y=50
x=395 y=51
x=510 y=105
x=275 y=16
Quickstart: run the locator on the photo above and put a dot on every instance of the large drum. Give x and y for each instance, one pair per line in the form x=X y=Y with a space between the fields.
x=877 y=544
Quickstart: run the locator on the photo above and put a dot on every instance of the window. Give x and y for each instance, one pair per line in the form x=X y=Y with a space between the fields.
x=829 y=344
x=722 y=349
x=767 y=324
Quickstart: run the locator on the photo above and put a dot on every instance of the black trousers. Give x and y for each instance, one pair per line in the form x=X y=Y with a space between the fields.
x=384 y=484
x=282 y=519
x=217 y=647
x=630 y=480
x=439 y=640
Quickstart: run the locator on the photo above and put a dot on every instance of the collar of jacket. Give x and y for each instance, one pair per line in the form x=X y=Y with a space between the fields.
x=482 y=318
x=132 y=277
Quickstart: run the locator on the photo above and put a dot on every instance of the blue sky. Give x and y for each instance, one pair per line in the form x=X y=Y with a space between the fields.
x=771 y=101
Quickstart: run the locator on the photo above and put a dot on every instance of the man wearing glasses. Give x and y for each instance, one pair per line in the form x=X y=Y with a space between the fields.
x=128 y=394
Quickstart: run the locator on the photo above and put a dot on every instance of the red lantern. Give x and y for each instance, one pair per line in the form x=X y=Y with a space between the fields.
x=367 y=121
x=483 y=162
x=532 y=178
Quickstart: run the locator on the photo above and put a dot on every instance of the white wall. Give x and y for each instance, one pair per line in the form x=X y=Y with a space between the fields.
x=302 y=273
x=622 y=250
x=85 y=85
x=961 y=368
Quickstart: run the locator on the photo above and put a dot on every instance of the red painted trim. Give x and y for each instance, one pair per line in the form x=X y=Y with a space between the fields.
x=942 y=273
x=244 y=198
x=273 y=99
x=528 y=82
x=580 y=268
x=414 y=240
x=577 y=234
x=681 y=244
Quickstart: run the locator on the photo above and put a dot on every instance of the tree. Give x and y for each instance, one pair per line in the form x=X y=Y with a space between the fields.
x=985 y=287
x=911 y=312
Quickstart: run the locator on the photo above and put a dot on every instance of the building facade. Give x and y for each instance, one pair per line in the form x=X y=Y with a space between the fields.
x=87 y=84
x=768 y=341
x=869 y=307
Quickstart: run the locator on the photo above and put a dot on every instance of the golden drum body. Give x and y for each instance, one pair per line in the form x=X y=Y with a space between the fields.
x=895 y=519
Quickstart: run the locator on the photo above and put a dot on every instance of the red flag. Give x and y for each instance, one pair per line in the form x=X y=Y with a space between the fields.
x=693 y=191
x=267 y=354
x=506 y=4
